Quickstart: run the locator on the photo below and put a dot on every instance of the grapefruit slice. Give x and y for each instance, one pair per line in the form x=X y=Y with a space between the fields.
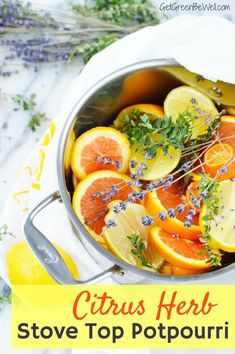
x=161 y=201
x=93 y=194
x=186 y=254
x=101 y=148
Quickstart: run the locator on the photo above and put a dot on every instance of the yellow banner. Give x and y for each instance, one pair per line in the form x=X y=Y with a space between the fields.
x=123 y=316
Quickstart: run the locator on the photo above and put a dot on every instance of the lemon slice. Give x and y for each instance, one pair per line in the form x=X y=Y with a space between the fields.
x=157 y=167
x=186 y=98
x=127 y=223
x=223 y=227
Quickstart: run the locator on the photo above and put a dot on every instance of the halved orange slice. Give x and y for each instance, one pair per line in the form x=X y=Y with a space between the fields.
x=169 y=269
x=186 y=254
x=159 y=202
x=153 y=110
x=101 y=148
x=217 y=158
x=93 y=194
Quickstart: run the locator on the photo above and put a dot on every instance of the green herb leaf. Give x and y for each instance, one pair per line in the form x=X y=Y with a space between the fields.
x=139 y=251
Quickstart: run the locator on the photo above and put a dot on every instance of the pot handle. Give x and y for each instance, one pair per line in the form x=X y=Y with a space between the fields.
x=47 y=254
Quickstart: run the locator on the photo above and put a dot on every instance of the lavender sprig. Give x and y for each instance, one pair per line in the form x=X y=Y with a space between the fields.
x=36 y=36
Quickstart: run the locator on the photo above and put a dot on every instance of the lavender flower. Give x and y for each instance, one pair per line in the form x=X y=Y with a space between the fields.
x=115 y=189
x=185 y=167
x=162 y=215
x=122 y=205
x=147 y=220
x=110 y=223
x=171 y=212
x=204 y=194
x=131 y=197
x=169 y=178
x=223 y=170
x=168 y=184
x=180 y=208
x=132 y=163
x=118 y=164
x=191 y=212
x=187 y=224
x=140 y=195
x=188 y=218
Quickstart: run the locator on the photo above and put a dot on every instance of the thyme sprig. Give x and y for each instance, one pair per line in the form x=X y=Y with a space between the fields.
x=4 y=231
x=6 y=295
x=209 y=189
x=27 y=104
x=139 y=251
x=141 y=129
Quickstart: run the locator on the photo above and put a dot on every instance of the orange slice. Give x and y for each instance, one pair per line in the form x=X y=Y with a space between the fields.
x=93 y=194
x=193 y=196
x=101 y=148
x=68 y=151
x=153 y=110
x=217 y=158
x=169 y=269
x=230 y=110
x=226 y=130
x=164 y=199
x=180 y=252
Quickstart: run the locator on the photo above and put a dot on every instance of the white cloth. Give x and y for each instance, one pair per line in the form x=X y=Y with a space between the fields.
x=205 y=45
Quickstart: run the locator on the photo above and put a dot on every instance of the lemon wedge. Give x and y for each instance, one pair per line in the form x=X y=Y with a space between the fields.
x=223 y=227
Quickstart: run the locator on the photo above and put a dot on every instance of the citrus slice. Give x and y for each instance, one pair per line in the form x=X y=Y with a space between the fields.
x=151 y=109
x=186 y=254
x=222 y=231
x=24 y=268
x=93 y=194
x=128 y=222
x=68 y=151
x=158 y=203
x=186 y=98
x=169 y=269
x=75 y=181
x=218 y=157
x=193 y=196
x=157 y=167
x=101 y=148
x=230 y=110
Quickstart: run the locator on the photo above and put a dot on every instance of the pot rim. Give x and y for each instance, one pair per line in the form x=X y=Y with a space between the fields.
x=147 y=64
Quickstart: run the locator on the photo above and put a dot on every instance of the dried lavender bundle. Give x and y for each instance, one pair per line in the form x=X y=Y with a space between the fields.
x=32 y=36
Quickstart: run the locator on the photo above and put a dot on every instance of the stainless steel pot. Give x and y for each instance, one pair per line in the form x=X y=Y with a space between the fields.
x=144 y=82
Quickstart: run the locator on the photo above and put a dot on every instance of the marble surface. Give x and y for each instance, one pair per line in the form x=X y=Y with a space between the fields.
x=16 y=141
